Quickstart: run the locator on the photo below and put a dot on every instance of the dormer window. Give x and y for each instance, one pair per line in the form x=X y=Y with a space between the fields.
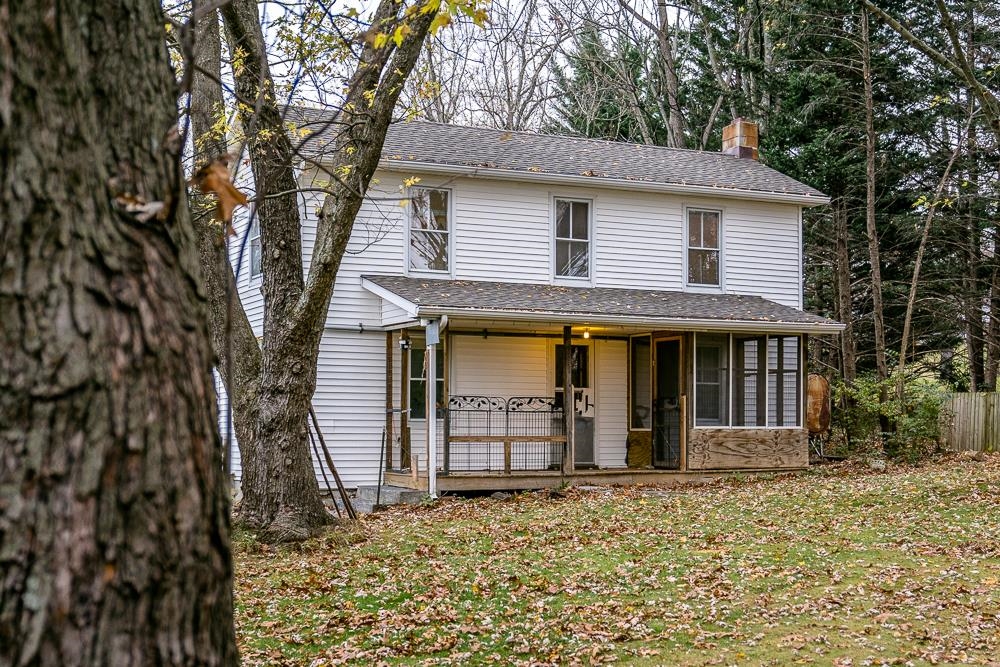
x=704 y=252
x=430 y=229
x=572 y=238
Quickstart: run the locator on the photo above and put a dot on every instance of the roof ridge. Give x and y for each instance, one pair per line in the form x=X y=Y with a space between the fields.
x=593 y=140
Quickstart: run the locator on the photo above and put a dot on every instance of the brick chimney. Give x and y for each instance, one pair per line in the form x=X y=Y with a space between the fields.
x=739 y=138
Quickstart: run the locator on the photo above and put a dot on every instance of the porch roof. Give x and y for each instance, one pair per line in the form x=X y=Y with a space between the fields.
x=425 y=297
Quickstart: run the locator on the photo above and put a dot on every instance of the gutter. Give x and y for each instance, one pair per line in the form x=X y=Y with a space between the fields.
x=678 y=324
x=600 y=181
x=417 y=311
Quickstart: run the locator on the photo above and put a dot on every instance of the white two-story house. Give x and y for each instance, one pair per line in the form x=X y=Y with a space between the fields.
x=484 y=261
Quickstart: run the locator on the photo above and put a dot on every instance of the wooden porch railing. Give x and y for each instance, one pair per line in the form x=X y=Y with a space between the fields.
x=489 y=433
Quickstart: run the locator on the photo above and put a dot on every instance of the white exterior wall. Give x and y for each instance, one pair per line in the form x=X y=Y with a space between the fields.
x=248 y=288
x=502 y=231
x=350 y=402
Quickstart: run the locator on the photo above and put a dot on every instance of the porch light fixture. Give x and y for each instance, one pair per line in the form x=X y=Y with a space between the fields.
x=586 y=333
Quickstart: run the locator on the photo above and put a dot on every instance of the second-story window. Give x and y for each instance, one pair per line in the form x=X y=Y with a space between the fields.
x=572 y=238
x=255 y=251
x=429 y=229
x=704 y=248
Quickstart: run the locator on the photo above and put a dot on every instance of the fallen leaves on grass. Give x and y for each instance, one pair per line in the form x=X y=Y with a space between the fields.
x=835 y=566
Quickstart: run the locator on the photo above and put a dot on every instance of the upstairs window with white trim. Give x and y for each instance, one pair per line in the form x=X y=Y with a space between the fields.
x=255 y=250
x=704 y=252
x=572 y=236
x=430 y=229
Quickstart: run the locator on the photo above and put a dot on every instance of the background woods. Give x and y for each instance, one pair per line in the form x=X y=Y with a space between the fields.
x=869 y=102
x=891 y=110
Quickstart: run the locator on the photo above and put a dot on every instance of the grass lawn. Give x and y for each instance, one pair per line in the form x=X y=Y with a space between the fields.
x=836 y=566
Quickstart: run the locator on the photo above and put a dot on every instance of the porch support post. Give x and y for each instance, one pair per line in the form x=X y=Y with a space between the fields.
x=389 y=413
x=405 y=452
x=430 y=408
x=568 y=399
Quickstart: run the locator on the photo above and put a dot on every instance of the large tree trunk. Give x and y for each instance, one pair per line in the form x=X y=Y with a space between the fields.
x=281 y=496
x=114 y=533
x=881 y=366
x=235 y=344
x=842 y=273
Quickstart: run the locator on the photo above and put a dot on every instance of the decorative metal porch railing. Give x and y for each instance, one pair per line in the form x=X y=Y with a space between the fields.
x=492 y=434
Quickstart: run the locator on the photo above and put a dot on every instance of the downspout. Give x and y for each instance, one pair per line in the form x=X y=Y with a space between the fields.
x=432 y=333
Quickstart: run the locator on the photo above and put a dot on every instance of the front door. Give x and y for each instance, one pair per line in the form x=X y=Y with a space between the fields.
x=582 y=404
x=667 y=419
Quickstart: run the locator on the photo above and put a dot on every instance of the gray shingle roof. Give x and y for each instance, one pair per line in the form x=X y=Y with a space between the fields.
x=540 y=155
x=495 y=297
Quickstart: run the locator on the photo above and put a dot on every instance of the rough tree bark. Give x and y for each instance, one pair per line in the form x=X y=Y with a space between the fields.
x=232 y=337
x=842 y=272
x=280 y=493
x=881 y=366
x=114 y=522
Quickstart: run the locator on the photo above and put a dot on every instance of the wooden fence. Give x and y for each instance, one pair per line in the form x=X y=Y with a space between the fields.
x=971 y=422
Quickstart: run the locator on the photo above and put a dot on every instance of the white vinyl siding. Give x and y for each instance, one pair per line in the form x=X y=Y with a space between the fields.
x=498 y=366
x=762 y=251
x=350 y=402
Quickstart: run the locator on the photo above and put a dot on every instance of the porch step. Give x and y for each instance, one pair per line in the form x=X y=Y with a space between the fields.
x=389 y=495
x=362 y=506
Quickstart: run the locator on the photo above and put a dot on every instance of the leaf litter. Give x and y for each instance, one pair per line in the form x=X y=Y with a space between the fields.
x=835 y=566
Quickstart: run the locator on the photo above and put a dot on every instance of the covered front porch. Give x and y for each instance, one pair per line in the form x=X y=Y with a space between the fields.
x=653 y=400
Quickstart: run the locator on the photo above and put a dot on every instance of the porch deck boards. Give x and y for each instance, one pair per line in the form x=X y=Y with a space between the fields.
x=546 y=479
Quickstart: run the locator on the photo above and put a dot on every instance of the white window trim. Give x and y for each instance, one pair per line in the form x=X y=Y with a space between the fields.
x=553 y=240
x=767 y=387
x=408 y=270
x=701 y=287
x=255 y=278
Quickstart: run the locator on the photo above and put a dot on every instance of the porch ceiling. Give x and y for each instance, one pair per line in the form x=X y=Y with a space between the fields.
x=592 y=306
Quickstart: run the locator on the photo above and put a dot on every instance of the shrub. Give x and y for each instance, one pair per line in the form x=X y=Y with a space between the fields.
x=913 y=422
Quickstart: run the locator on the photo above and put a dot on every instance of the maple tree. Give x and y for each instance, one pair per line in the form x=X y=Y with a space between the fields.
x=114 y=516
x=271 y=383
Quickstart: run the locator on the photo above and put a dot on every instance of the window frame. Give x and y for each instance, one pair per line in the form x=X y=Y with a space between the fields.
x=450 y=233
x=631 y=381
x=725 y=388
x=800 y=374
x=555 y=239
x=418 y=345
x=253 y=241
x=707 y=287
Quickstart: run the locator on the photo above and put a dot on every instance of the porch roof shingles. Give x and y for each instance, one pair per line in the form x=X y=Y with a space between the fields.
x=480 y=297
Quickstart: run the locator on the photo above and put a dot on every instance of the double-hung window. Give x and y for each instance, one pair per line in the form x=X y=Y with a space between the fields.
x=255 y=250
x=430 y=229
x=704 y=253
x=572 y=238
